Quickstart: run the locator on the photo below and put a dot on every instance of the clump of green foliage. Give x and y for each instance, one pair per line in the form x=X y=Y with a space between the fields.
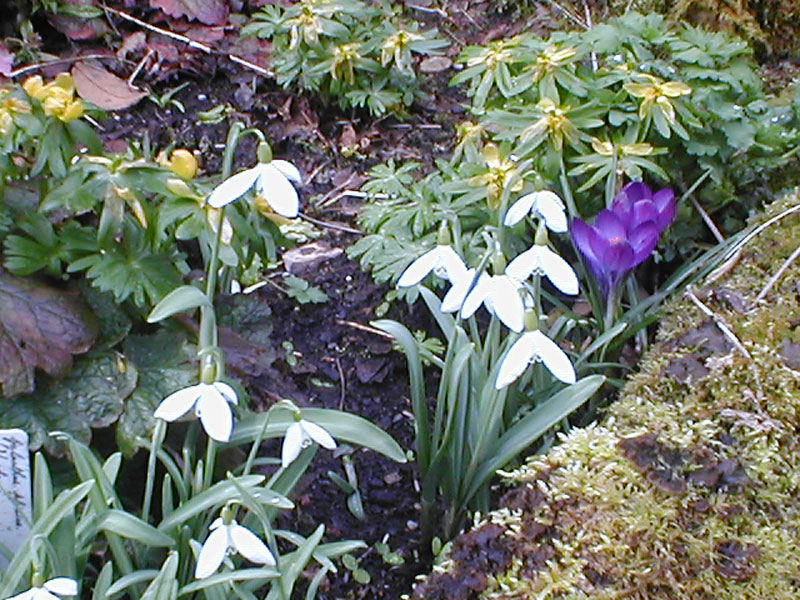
x=360 y=55
x=688 y=487
x=584 y=112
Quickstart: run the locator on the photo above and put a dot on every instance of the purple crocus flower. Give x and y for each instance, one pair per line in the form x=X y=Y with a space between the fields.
x=623 y=236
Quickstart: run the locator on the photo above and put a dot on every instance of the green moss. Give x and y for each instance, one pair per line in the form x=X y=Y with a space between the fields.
x=689 y=488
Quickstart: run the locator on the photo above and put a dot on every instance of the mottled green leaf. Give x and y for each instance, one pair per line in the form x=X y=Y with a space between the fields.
x=164 y=365
x=92 y=395
x=40 y=326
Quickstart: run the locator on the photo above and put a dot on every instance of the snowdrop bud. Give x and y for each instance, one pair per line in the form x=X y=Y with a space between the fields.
x=208 y=370
x=531 y=320
x=264 y=152
x=541 y=234
x=444 y=234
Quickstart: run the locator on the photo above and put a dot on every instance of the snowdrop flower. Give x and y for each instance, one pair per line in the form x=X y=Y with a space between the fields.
x=50 y=590
x=211 y=403
x=500 y=295
x=543 y=204
x=543 y=261
x=301 y=434
x=442 y=260
x=226 y=538
x=531 y=347
x=270 y=180
x=454 y=298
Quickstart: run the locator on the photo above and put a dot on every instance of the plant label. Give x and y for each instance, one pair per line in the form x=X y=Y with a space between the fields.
x=15 y=491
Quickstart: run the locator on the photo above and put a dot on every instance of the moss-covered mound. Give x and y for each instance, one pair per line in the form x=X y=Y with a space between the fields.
x=689 y=489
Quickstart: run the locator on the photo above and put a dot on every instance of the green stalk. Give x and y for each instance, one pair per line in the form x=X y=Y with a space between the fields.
x=155 y=445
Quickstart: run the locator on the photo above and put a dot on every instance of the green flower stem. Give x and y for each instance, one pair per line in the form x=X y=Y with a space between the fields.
x=211 y=459
x=155 y=445
x=248 y=465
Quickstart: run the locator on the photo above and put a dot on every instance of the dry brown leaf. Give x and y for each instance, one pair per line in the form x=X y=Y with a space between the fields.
x=103 y=89
x=208 y=12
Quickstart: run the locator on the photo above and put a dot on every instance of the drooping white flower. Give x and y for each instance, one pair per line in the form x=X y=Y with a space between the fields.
x=50 y=590
x=271 y=180
x=301 y=434
x=225 y=539
x=211 y=403
x=500 y=294
x=543 y=204
x=441 y=259
x=540 y=259
x=454 y=298
x=531 y=347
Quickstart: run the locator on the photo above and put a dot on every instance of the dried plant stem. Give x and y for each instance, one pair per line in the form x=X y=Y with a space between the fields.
x=190 y=42
x=720 y=323
x=365 y=328
x=71 y=59
x=778 y=274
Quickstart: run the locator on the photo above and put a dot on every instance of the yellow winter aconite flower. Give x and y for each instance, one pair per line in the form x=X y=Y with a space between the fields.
x=500 y=173
x=657 y=93
x=344 y=60
x=183 y=163
x=57 y=97
x=550 y=59
x=607 y=148
x=8 y=106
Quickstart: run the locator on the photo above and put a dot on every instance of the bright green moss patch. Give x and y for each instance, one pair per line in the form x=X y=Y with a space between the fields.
x=690 y=487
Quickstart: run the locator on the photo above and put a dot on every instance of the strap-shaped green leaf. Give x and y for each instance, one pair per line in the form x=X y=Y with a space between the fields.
x=133 y=528
x=185 y=297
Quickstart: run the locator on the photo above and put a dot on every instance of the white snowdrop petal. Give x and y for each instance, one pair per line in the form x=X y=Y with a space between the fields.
x=216 y=416
x=519 y=210
x=42 y=594
x=551 y=208
x=292 y=444
x=63 y=586
x=318 y=434
x=288 y=170
x=454 y=298
x=178 y=403
x=476 y=297
x=451 y=262
x=515 y=361
x=236 y=287
x=27 y=594
x=559 y=271
x=524 y=265
x=280 y=194
x=227 y=392
x=232 y=188
x=249 y=545
x=419 y=269
x=553 y=357
x=212 y=553
x=507 y=303
x=216 y=523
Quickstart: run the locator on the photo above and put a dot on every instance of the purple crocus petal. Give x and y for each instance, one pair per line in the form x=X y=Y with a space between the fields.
x=610 y=225
x=635 y=191
x=580 y=235
x=643 y=211
x=643 y=241
x=615 y=254
x=664 y=201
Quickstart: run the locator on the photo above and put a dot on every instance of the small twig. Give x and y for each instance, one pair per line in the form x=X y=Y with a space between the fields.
x=365 y=328
x=572 y=16
x=342 y=386
x=328 y=225
x=707 y=220
x=70 y=59
x=318 y=168
x=139 y=67
x=425 y=9
x=778 y=274
x=588 y=14
x=190 y=42
x=720 y=323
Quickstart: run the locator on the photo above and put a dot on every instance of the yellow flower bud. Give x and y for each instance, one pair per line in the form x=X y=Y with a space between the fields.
x=33 y=86
x=183 y=163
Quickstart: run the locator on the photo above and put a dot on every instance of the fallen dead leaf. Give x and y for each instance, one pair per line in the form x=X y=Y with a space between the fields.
x=435 y=64
x=132 y=43
x=104 y=89
x=208 y=12
x=40 y=327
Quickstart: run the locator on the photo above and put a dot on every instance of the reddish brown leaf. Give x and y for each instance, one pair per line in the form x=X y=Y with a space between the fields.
x=104 y=89
x=6 y=60
x=40 y=326
x=208 y=12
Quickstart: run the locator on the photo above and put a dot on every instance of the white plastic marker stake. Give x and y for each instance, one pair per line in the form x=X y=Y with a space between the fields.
x=15 y=491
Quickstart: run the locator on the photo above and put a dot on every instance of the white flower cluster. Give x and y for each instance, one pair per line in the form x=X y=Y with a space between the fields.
x=504 y=295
